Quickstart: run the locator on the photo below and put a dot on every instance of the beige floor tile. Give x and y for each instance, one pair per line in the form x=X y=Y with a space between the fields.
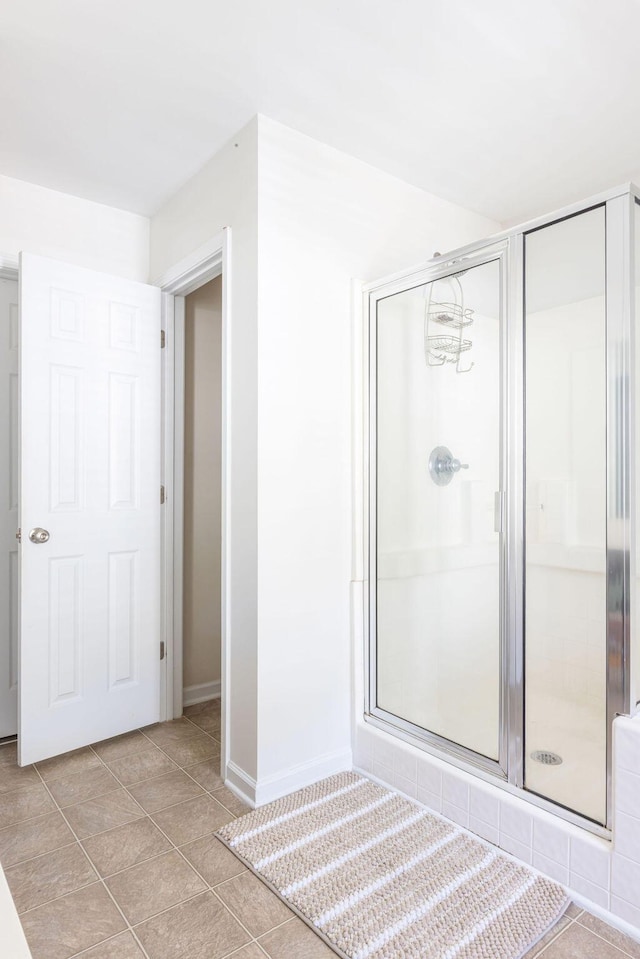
x=252 y=951
x=155 y=794
x=64 y=927
x=68 y=764
x=208 y=724
x=47 y=877
x=8 y=753
x=199 y=929
x=192 y=819
x=253 y=903
x=577 y=942
x=295 y=939
x=126 y=846
x=24 y=803
x=15 y=777
x=106 y=812
x=549 y=937
x=211 y=708
x=197 y=749
x=175 y=731
x=573 y=911
x=123 y=946
x=120 y=746
x=207 y=774
x=213 y=860
x=33 y=838
x=82 y=786
x=140 y=766
x=230 y=801
x=614 y=936
x=151 y=887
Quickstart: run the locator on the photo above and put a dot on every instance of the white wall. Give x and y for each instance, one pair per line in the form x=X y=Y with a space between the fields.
x=324 y=218
x=202 y=488
x=224 y=193
x=36 y=220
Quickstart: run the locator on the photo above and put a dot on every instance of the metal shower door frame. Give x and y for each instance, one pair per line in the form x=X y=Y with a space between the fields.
x=448 y=265
x=508 y=247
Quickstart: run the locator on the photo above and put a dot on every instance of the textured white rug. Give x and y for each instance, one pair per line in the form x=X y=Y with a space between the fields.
x=379 y=877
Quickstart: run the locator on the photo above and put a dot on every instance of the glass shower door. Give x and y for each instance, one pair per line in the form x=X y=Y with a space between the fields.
x=437 y=553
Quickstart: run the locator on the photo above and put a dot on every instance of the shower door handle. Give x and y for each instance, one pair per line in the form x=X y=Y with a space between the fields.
x=498 y=511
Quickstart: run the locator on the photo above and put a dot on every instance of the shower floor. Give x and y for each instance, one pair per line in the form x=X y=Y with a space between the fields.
x=576 y=732
x=578 y=735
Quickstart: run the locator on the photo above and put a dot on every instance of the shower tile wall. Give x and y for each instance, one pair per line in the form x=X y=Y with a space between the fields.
x=604 y=873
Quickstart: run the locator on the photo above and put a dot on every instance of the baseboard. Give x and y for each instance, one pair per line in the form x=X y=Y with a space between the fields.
x=297 y=777
x=191 y=695
x=240 y=783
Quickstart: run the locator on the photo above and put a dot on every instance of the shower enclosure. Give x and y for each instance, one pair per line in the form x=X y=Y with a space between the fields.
x=501 y=521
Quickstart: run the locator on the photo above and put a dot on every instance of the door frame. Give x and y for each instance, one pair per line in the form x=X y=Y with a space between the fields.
x=204 y=264
x=10 y=270
x=505 y=766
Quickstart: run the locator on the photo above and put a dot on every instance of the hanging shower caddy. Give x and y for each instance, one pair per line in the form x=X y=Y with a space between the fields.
x=441 y=347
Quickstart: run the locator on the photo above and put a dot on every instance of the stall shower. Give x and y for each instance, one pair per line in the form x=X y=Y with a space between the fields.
x=501 y=517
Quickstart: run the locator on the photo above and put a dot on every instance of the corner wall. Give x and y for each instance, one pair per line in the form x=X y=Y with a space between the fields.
x=224 y=193
x=325 y=218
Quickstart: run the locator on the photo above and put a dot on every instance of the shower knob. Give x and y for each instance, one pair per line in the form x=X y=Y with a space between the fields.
x=443 y=465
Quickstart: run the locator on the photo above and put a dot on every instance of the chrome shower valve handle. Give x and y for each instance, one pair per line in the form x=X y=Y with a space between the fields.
x=443 y=465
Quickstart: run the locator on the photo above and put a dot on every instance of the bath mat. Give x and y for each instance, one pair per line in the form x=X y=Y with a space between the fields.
x=380 y=877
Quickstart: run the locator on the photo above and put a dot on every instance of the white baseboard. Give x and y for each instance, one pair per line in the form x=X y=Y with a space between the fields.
x=297 y=777
x=257 y=793
x=240 y=783
x=191 y=695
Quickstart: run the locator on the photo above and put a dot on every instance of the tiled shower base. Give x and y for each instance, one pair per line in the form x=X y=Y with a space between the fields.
x=109 y=853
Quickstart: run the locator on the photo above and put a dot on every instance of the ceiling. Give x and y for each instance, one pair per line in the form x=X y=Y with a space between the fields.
x=508 y=108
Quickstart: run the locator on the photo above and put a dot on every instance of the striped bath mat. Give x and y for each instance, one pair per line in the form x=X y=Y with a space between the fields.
x=379 y=877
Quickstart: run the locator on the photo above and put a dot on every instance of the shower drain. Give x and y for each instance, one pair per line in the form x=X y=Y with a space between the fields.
x=546 y=758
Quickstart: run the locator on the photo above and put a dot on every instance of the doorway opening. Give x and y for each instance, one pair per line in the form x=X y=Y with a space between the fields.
x=195 y=518
x=202 y=484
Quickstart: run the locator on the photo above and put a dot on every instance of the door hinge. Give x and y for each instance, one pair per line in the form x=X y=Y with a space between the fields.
x=19 y=535
x=163 y=339
x=162 y=649
x=162 y=496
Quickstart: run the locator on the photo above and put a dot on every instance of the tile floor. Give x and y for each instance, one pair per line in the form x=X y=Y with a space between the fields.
x=109 y=853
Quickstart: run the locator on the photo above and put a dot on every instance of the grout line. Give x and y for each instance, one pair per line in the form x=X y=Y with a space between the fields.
x=209 y=888
x=621 y=949
x=198 y=874
x=145 y=814
x=20 y=862
x=100 y=879
x=78 y=955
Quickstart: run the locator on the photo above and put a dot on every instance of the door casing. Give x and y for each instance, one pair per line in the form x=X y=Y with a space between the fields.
x=209 y=261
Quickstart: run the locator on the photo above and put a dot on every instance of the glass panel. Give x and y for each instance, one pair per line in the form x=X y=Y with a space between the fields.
x=565 y=586
x=438 y=469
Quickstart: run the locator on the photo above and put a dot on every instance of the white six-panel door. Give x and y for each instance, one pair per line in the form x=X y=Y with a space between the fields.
x=9 y=500
x=90 y=477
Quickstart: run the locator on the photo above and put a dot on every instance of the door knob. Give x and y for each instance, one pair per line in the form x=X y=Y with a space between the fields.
x=39 y=535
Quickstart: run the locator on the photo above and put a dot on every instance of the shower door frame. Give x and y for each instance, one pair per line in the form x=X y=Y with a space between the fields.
x=449 y=265
x=508 y=247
